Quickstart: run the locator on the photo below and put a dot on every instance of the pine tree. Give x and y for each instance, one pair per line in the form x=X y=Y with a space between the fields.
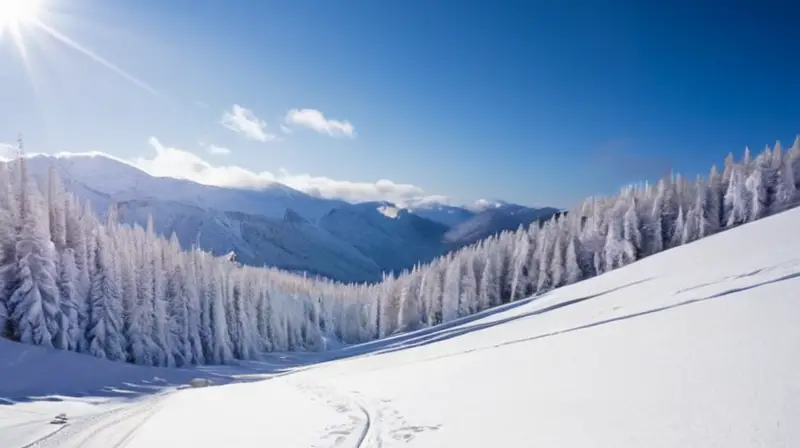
x=543 y=255
x=487 y=286
x=632 y=228
x=757 y=191
x=162 y=354
x=33 y=306
x=737 y=203
x=691 y=226
x=104 y=335
x=712 y=204
x=56 y=204
x=574 y=272
x=134 y=325
x=451 y=290
x=518 y=262
x=468 y=289
x=195 y=310
x=794 y=161
x=786 y=190
x=69 y=329
x=677 y=233
x=9 y=234
x=558 y=265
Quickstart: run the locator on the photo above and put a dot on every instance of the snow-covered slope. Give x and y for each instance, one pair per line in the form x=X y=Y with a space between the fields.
x=494 y=219
x=693 y=347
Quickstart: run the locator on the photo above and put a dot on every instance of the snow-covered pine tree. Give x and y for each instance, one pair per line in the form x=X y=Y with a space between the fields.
x=737 y=201
x=518 y=259
x=104 y=333
x=486 y=286
x=68 y=329
x=9 y=234
x=794 y=161
x=786 y=189
x=757 y=189
x=56 y=205
x=33 y=306
x=451 y=289
x=468 y=287
x=574 y=273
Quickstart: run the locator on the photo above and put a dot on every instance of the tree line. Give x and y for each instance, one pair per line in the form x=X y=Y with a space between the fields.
x=72 y=282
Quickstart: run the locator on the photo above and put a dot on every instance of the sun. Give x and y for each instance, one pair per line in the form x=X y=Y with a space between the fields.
x=15 y=12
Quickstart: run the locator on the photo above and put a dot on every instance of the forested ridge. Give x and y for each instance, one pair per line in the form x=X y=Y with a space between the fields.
x=70 y=281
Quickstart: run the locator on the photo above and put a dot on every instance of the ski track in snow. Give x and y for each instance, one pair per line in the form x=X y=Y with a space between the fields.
x=363 y=430
x=373 y=422
x=110 y=429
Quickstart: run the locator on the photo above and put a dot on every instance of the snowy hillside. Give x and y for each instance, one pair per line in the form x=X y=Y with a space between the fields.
x=692 y=347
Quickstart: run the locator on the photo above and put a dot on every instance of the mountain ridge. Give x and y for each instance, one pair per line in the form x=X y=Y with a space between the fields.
x=278 y=225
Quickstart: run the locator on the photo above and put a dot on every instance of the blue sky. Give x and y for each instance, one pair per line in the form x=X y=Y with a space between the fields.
x=536 y=102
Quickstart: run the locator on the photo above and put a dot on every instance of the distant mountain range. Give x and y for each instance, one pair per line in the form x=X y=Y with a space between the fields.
x=282 y=227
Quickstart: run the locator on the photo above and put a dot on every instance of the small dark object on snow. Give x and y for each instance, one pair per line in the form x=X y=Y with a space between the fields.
x=200 y=382
x=59 y=419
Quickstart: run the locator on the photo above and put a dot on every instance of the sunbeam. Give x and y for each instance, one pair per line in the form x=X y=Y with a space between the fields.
x=18 y=15
x=15 y=12
x=93 y=56
x=13 y=15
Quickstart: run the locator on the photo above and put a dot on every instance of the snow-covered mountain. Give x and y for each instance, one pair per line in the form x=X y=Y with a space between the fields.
x=494 y=219
x=277 y=226
x=290 y=242
x=94 y=175
x=449 y=215
x=657 y=353
x=393 y=237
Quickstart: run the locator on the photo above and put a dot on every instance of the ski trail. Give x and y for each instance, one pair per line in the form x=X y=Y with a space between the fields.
x=363 y=428
x=371 y=435
x=110 y=429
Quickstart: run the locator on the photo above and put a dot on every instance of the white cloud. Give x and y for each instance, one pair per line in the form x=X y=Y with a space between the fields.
x=314 y=119
x=285 y=129
x=245 y=122
x=174 y=162
x=381 y=190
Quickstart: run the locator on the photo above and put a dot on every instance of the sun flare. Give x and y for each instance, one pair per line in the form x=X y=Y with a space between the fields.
x=23 y=19
x=15 y=12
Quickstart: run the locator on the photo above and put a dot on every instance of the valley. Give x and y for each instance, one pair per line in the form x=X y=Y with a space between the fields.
x=281 y=227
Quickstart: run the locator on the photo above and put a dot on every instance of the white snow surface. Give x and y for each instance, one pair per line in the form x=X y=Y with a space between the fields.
x=694 y=347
